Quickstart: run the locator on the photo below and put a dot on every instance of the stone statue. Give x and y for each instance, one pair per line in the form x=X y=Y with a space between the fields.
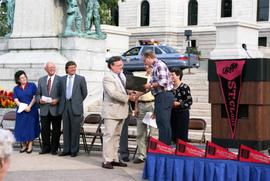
x=10 y=15
x=93 y=17
x=73 y=16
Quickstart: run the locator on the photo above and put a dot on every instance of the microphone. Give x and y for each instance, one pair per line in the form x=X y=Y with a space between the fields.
x=244 y=46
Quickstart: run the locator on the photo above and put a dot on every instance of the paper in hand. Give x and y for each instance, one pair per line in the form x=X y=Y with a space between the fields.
x=46 y=99
x=149 y=121
x=22 y=107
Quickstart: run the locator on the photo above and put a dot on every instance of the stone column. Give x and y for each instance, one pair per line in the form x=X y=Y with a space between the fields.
x=231 y=35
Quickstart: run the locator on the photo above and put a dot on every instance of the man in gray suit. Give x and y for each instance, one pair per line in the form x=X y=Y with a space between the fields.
x=48 y=96
x=114 y=111
x=74 y=92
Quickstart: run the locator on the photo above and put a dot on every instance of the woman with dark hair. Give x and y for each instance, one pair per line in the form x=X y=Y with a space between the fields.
x=27 y=122
x=181 y=106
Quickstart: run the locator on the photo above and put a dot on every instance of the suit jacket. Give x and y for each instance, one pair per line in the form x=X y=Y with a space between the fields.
x=55 y=94
x=79 y=93
x=115 y=102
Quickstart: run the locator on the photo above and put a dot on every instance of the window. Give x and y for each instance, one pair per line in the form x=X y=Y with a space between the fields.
x=132 y=52
x=157 y=51
x=226 y=8
x=145 y=13
x=262 y=41
x=167 y=49
x=193 y=43
x=192 y=12
x=262 y=10
x=147 y=48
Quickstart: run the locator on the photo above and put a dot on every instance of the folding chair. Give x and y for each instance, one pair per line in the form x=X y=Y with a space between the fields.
x=198 y=124
x=8 y=121
x=89 y=121
x=132 y=122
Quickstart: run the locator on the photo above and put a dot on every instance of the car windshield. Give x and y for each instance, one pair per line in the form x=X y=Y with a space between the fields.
x=168 y=49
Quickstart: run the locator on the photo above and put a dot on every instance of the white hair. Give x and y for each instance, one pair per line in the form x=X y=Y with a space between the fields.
x=6 y=141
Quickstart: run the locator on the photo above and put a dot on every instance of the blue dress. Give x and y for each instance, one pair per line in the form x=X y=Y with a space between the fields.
x=27 y=123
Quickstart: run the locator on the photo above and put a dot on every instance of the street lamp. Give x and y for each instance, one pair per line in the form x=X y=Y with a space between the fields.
x=188 y=34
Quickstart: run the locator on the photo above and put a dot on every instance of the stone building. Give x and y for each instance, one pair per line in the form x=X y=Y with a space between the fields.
x=166 y=20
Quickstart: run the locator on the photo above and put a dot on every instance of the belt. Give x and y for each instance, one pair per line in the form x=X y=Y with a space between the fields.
x=146 y=101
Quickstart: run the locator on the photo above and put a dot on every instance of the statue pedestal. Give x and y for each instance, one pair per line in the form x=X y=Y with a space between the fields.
x=230 y=37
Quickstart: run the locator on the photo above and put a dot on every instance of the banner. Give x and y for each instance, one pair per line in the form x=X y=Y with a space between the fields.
x=218 y=152
x=247 y=154
x=230 y=76
x=185 y=149
x=156 y=146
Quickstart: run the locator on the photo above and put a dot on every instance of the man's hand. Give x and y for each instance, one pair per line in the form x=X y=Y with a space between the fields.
x=54 y=102
x=42 y=102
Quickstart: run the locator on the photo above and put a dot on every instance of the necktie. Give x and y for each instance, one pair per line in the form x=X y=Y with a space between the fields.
x=122 y=81
x=49 y=85
x=69 y=88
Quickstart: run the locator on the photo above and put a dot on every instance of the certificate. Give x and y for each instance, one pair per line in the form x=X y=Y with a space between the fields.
x=135 y=83
x=46 y=99
x=149 y=121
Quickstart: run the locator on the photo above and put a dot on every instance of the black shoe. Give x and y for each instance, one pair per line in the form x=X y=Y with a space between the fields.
x=23 y=150
x=119 y=164
x=73 y=154
x=137 y=161
x=54 y=152
x=44 y=152
x=29 y=151
x=107 y=165
x=125 y=159
x=64 y=154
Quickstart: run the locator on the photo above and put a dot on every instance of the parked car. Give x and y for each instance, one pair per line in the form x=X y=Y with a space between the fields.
x=133 y=57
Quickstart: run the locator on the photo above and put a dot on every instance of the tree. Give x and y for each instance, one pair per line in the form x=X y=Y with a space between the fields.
x=109 y=12
x=3 y=20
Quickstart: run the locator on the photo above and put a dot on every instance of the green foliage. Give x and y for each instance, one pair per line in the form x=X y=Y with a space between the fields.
x=4 y=29
x=107 y=11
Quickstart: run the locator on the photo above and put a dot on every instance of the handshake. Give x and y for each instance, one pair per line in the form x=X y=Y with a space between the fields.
x=133 y=96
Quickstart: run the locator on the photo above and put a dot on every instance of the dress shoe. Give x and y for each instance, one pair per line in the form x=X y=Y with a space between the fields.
x=64 y=154
x=73 y=154
x=29 y=151
x=23 y=150
x=54 y=152
x=44 y=152
x=119 y=164
x=138 y=160
x=125 y=159
x=107 y=165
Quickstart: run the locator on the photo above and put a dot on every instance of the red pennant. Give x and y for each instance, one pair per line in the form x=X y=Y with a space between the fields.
x=218 y=152
x=247 y=154
x=156 y=146
x=230 y=77
x=185 y=149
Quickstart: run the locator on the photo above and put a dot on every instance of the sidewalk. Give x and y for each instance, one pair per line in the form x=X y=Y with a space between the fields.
x=35 y=167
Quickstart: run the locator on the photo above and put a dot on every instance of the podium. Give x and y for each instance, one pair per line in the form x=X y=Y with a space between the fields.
x=253 y=127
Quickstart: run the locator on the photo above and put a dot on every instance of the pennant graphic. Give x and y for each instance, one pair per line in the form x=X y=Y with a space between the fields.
x=230 y=78
x=247 y=154
x=218 y=152
x=185 y=149
x=156 y=146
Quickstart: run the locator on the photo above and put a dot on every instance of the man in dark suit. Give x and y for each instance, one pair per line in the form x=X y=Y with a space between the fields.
x=74 y=92
x=48 y=96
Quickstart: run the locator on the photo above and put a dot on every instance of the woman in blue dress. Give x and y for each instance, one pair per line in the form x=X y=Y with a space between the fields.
x=27 y=122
